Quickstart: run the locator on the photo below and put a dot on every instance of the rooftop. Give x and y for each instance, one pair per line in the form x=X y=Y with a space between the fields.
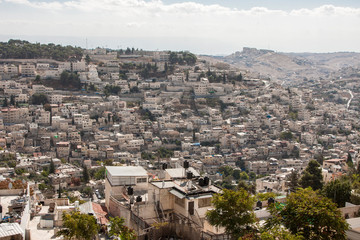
x=126 y=171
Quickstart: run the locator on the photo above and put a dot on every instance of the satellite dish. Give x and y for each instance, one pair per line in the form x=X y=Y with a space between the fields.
x=10 y=185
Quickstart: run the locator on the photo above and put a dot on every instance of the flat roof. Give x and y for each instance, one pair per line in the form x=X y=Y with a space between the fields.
x=10 y=229
x=354 y=223
x=126 y=171
x=163 y=184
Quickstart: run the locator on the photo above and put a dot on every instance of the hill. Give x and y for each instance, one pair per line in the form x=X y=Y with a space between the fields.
x=290 y=68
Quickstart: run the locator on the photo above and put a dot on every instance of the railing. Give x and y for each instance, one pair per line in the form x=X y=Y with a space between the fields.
x=198 y=218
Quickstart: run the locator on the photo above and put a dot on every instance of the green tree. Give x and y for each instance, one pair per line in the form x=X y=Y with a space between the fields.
x=349 y=161
x=87 y=191
x=59 y=191
x=236 y=174
x=312 y=176
x=286 y=135
x=226 y=170
x=100 y=174
x=234 y=211
x=244 y=176
x=339 y=191
x=252 y=175
x=265 y=196
x=87 y=59
x=278 y=233
x=86 y=177
x=52 y=167
x=78 y=226
x=39 y=98
x=12 y=100
x=250 y=187
x=5 y=102
x=118 y=229
x=310 y=214
x=292 y=181
x=37 y=79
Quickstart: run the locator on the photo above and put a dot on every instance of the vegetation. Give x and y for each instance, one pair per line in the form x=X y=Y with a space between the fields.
x=112 y=90
x=286 y=135
x=339 y=191
x=25 y=50
x=70 y=80
x=164 y=153
x=312 y=176
x=97 y=174
x=78 y=226
x=293 y=181
x=86 y=176
x=182 y=58
x=52 y=167
x=265 y=196
x=39 y=98
x=310 y=214
x=118 y=229
x=233 y=211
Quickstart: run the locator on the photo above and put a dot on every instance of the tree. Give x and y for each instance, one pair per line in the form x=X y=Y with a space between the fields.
x=87 y=191
x=226 y=170
x=12 y=100
x=118 y=229
x=87 y=59
x=286 y=135
x=252 y=175
x=233 y=210
x=60 y=190
x=250 y=187
x=244 y=176
x=310 y=214
x=349 y=161
x=236 y=174
x=312 y=176
x=292 y=181
x=39 y=98
x=52 y=167
x=86 y=177
x=339 y=191
x=5 y=102
x=108 y=162
x=278 y=233
x=78 y=226
x=37 y=79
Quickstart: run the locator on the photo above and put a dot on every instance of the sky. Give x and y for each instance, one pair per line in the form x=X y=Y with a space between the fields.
x=217 y=27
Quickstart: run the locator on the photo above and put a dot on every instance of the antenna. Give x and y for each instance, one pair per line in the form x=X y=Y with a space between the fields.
x=86 y=43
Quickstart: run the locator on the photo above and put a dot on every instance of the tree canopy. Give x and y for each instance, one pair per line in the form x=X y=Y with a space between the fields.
x=339 y=191
x=79 y=226
x=25 y=50
x=233 y=210
x=182 y=58
x=39 y=98
x=310 y=214
x=312 y=176
x=118 y=229
x=292 y=181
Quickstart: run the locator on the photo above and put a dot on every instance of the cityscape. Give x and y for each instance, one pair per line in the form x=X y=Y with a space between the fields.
x=132 y=142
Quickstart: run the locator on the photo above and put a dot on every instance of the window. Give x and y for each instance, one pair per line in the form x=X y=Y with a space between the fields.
x=140 y=180
x=204 y=202
x=180 y=202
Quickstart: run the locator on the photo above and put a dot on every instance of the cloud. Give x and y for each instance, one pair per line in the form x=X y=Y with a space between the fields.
x=44 y=5
x=205 y=25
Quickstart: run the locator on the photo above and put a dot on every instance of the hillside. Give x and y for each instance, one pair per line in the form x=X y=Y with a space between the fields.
x=291 y=68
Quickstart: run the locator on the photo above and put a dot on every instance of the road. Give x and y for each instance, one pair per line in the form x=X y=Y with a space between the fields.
x=351 y=98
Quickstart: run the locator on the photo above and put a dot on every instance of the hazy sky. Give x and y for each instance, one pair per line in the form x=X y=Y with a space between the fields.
x=210 y=27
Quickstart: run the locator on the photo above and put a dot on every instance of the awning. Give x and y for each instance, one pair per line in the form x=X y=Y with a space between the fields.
x=177 y=194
